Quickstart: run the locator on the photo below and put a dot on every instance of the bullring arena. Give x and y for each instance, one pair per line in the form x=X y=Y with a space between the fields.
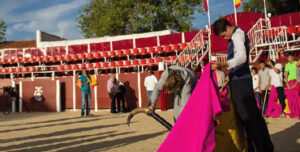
x=53 y=65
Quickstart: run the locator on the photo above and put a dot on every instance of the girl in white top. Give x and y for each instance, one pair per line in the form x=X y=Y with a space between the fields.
x=256 y=82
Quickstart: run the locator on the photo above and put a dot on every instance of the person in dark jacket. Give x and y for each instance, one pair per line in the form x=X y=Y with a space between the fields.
x=240 y=82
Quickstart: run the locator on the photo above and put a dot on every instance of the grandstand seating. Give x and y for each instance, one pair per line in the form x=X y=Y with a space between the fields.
x=145 y=57
x=101 y=56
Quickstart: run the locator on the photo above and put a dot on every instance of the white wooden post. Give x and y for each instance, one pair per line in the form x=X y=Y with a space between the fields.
x=139 y=87
x=58 y=96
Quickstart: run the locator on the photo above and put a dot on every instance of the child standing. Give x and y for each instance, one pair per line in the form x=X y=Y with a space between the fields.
x=256 y=82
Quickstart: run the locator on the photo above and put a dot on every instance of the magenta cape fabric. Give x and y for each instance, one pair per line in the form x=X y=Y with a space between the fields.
x=293 y=98
x=194 y=130
x=274 y=109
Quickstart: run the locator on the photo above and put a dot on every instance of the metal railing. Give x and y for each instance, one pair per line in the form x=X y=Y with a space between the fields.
x=195 y=51
x=255 y=37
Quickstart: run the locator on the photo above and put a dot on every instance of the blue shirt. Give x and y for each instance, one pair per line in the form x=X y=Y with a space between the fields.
x=83 y=79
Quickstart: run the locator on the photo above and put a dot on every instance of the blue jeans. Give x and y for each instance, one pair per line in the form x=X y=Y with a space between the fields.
x=84 y=95
x=149 y=94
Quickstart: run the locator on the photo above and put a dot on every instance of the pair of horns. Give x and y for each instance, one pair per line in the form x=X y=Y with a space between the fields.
x=150 y=113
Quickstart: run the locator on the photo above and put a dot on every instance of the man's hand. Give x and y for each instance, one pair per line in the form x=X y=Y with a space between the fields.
x=267 y=87
x=216 y=65
x=269 y=63
x=259 y=90
x=152 y=106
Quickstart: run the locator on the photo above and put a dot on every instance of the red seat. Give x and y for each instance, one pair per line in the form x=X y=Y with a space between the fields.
x=104 y=65
x=126 y=52
x=89 y=66
x=74 y=57
x=5 y=61
x=142 y=51
x=97 y=65
x=25 y=70
x=59 y=58
x=111 y=54
x=60 y=68
x=127 y=63
x=151 y=50
x=173 y=58
x=157 y=60
x=9 y=60
x=159 y=49
x=119 y=53
x=68 y=67
x=142 y=61
x=66 y=57
x=18 y=70
x=24 y=60
x=75 y=67
x=135 y=52
x=167 y=48
x=119 y=63
x=45 y=59
x=38 y=59
x=52 y=59
x=81 y=66
x=135 y=62
x=182 y=46
x=89 y=56
x=16 y=60
x=166 y=58
x=174 y=47
x=97 y=55
x=104 y=54
x=112 y=64
x=32 y=69
x=4 y=70
x=11 y=70
x=150 y=61
x=81 y=56
x=31 y=59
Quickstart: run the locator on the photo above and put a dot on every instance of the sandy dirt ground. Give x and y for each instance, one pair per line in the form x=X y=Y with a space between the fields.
x=68 y=131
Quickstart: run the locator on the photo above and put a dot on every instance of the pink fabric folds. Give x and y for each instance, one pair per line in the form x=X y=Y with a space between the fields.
x=274 y=108
x=293 y=98
x=194 y=130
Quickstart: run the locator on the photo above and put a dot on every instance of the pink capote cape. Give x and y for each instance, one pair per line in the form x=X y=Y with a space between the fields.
x=274 y=108
x=194 y=130
x=293 y=98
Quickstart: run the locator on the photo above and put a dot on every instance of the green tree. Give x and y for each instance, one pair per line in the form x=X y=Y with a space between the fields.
x=115 y=17
x=2 y=30
x=275 y=7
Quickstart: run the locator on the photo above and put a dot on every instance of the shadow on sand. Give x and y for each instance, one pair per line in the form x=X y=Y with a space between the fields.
x=286 y=140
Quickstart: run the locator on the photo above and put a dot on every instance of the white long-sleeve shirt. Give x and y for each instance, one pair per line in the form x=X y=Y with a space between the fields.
x=150 y=82
x=240 y=56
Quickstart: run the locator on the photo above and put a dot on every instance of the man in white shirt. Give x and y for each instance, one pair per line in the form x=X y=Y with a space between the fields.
x=241 y=87
x=264 y=84
x=277 y=81
x=150 y=82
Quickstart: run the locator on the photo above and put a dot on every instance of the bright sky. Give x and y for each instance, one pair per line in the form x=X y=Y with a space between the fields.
x=24 y=17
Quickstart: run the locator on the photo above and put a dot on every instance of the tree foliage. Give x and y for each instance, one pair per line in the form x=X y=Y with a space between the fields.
x=275 y=7
x=2 y=30
x=116 y=17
